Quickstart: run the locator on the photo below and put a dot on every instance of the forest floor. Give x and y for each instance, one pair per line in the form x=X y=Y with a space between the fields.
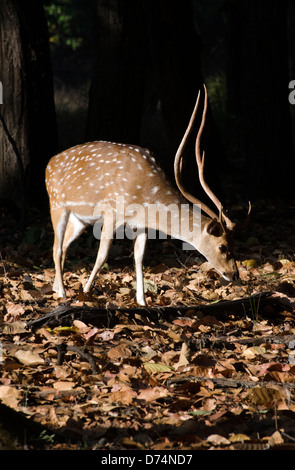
x=189 y=382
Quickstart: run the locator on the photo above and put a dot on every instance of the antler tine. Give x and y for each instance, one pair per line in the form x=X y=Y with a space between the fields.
x=200 y=162
x=178 y=163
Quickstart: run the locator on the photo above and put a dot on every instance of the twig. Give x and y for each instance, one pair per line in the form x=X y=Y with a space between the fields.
x=287 y=436
x=62 y=349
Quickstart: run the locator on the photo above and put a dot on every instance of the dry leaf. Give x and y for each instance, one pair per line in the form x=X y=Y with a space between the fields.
x=183 y=321
x=28 y=358
x=152 y=367
x=91 y=333
x=239 y=438
x=26 y=295
x=265 y=396
x=276 y=439
x=183 y=357
x=63 y=385
x=10 y=396
x=82 y=327
x=174 y=336
x=127 y=278
x=209 y=404
x=15 y=328
x=254 y=351
x=119 y=352
x=147 y=353
x=125 y=397
x=153 y=394
x=105 y=335
x=14 y=309
x=125 y=290
x=217 y=440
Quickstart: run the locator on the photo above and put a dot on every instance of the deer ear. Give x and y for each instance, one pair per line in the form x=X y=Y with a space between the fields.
x=214 y=228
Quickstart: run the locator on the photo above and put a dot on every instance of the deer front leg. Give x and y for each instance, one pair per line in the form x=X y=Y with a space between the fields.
x=139 y=249
x=106 y=239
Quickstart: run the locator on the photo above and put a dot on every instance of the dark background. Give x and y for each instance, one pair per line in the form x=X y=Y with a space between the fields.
x=130 y=71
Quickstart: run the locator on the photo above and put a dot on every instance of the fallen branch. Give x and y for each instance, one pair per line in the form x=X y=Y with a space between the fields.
x=64 y=315
x=271 y=339
x=229 y=383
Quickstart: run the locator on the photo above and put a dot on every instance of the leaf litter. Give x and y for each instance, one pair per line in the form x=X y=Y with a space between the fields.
x=199 y=381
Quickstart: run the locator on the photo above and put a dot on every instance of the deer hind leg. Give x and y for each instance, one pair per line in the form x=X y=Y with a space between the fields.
x=67 y=229
x=139 y=249
x=106 y=238
x=59 y=219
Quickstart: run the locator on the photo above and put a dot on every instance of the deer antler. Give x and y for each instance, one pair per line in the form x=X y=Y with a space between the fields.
x=200 y=162
x=224 y=220
x=178 y=164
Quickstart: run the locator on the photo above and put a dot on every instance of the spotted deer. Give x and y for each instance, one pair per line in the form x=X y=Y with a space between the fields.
x=85 y=183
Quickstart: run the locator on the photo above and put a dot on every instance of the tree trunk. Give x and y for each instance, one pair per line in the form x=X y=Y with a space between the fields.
x=14 y=108
x=28 y=104
x=117 y=88
x=258 y=96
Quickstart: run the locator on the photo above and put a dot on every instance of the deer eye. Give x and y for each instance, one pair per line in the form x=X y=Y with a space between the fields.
x=223 y=249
